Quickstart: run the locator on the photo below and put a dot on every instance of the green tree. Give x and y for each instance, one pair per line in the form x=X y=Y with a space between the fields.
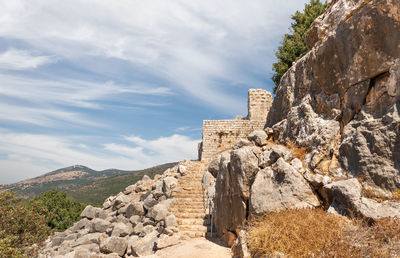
x=293 y=45
x=21 y=226
x=60 y=211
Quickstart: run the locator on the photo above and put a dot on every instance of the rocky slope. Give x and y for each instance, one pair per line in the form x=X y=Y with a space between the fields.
x=148 y=216
x=332 y=136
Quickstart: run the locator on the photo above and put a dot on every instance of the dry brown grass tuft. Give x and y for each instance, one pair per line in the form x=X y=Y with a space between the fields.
x=298 y=152
x=396 y=195
x=299 y=233
x=316 y=233
x=374 y=194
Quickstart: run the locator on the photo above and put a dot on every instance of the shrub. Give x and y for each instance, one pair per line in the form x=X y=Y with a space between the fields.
x=60 y=211
x=20 y=226
x=292 y=45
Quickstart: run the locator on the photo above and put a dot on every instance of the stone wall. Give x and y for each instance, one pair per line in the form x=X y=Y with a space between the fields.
x=259 y=103
x=221 y=135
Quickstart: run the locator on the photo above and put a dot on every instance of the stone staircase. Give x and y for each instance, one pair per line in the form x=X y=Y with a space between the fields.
x=188 y=205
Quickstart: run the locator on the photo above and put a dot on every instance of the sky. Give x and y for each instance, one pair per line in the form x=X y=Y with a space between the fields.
x=126 y=84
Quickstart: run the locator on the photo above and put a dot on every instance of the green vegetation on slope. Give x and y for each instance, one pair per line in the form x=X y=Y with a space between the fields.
x=60 y=211
x=96 y=192
x=21 y=226
x=293 y=45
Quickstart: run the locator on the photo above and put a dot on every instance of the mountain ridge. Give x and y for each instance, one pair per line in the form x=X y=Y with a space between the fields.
x=66 y=179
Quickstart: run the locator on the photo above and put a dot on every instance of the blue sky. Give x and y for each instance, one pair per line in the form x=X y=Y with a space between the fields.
x=126 y=84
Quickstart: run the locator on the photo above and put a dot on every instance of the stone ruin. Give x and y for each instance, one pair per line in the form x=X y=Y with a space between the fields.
x=221 y=135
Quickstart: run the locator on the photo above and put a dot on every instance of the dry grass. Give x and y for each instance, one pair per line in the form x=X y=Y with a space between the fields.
x=299 y=233
x=314 y=232
x=298 y=152
x=374 y=194
x=396 y=196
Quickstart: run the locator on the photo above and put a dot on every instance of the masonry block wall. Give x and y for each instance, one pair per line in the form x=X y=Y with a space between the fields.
x=259 y=103
x=221 y=135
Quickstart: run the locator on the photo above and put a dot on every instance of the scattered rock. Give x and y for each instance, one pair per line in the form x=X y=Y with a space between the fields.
x=259 y=137
x=114 y=245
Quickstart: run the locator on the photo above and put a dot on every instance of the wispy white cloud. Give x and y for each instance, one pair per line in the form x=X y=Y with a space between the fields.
x=202 y=47
x=37 y=154
x=43 y=97
x=44 y=117
x=16 y=59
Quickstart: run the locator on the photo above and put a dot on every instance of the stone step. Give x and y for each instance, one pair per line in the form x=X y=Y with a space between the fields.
x=204 y=222
x=189 y=210
x=187 y=202
x=190 y=215
x=188 y=205
x=178 y=194
x=197 y=228
x=192 y=234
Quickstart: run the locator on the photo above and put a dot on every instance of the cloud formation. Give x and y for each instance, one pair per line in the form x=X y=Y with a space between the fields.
x=16 y=59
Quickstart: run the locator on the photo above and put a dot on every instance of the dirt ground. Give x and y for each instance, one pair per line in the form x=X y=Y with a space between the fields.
x=196 y=248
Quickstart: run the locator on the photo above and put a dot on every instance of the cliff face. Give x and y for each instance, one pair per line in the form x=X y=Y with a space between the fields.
x=332 y=135
x=342 y=98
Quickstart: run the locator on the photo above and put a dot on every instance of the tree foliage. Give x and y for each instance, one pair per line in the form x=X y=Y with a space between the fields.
x=60 y=211
x=292 y=45
x=21 y=226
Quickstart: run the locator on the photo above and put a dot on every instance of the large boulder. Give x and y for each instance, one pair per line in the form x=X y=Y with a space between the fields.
x=91 y=212
x=244 y=166
x=346 y=198
x=280 y=187
x=114 y=245
x=159 y=212
x=146 y=245
x=259 y=137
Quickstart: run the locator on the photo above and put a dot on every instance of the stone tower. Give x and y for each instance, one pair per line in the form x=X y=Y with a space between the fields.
x=259 y=103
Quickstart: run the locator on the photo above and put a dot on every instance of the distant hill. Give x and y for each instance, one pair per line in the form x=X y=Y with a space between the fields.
x=77 y=179
x=96 y=192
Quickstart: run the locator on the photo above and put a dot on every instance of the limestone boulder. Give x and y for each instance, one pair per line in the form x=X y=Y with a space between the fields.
x=230 y=208
x=244 y=166
x=99 y=225
x=146 y=245
x=91 y=212
x=280 y=187
x=114 y=244
x=346 y=198
x=122 y=229
x=259 y=137
x=169 y=183
x=134 y=208
x=242 y=143
x=159 y=212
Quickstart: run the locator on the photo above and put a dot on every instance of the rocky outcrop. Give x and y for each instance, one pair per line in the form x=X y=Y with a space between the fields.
x=342 y=98
x=256 y=179
x=135 y=222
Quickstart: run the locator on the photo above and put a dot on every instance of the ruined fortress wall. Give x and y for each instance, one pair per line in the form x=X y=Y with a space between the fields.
x=259 y=103
x=221 y=135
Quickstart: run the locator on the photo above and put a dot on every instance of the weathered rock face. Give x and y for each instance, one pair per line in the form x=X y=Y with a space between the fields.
x=280 y=187
x=254 y=180
x=130 y=223
x=342 y=97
